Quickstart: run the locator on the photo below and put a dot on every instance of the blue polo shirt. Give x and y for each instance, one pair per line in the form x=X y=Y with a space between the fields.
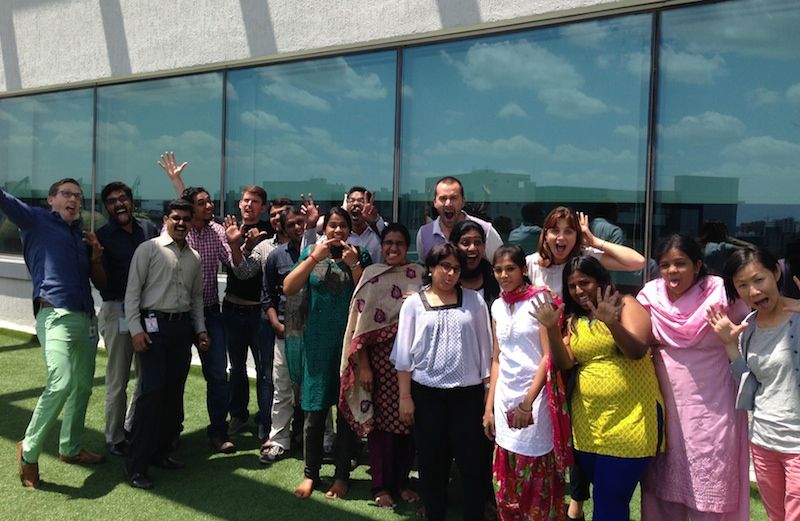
x=54 y=251
x=118 y=248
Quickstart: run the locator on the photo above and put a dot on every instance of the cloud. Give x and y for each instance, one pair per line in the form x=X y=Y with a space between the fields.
x=630 y=131
x=587 y=34
x=296 y=96
x=554 y=80
x=512 y=110
x=765 y=148
x=692 y=68
x=793 y=93
x=706 y=127
x=571 y=153
x=408 y=91
x=261 y=120
x=763 y=96
x=515 y=145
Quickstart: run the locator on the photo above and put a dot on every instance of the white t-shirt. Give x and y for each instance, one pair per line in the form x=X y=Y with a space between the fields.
x=520 y=356
x=551 y=275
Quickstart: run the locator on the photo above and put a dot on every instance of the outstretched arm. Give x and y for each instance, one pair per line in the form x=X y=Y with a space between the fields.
x=173 y=170
x=616 y=257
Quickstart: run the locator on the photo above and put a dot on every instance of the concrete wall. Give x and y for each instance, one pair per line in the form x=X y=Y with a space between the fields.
x=46 y=43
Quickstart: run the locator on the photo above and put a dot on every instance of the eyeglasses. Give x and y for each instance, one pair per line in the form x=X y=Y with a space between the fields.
x=114 y=200
x=66 y=194
x=446 y=266
x=178 y=218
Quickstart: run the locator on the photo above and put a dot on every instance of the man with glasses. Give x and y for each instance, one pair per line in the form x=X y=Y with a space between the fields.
x=164 y=311
x=58 y=255
x=119 y=238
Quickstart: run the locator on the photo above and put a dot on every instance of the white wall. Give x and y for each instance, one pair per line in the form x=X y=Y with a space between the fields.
x=55 y=42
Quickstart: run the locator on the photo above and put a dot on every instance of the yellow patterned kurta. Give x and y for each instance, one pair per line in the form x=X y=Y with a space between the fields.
x=614 y=410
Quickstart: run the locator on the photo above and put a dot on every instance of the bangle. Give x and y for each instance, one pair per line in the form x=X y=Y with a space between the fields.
x=356 y=265
x=602 y=245
x=311 y=256
x=523 y=410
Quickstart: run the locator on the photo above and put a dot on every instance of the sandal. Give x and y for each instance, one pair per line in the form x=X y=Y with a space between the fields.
x=384 y=499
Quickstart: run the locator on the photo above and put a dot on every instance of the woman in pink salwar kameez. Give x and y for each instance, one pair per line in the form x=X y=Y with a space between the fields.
x=703 y=475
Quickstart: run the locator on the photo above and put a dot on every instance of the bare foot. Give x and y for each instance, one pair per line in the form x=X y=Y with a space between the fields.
x=338 y=489
x=384 y=500
x=304 y=489
x=409 y=495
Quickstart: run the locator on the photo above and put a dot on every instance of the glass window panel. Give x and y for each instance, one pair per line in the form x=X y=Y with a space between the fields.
x=728 y=141
x=137 y=122
x=44 y=138
x=318 y=126
x=549 y=116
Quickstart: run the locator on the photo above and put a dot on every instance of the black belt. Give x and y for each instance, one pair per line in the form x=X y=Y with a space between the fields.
x=163 y=315
x=240 y=308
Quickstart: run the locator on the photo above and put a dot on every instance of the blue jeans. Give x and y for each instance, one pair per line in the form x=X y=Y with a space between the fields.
x=215 y=371
x=249 y=328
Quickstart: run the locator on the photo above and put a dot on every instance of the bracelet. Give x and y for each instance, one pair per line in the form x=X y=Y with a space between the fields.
x=406 y=397
x=356 y=265
x=602 y=245
x=311 y=256
x=523 y=410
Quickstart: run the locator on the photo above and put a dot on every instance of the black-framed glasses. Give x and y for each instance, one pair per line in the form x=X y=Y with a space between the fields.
x=68 y=194
x=179 y=218
x=447 y=267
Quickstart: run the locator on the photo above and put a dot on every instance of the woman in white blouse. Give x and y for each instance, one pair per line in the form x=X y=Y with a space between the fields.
x=442 y=354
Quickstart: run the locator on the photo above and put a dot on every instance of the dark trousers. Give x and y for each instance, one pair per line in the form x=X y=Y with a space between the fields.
x=313 y=435
x=447 y=425
x=614 y=481
x=391 y=456
x=164 y=367
x=215 y=372
x=246 y=327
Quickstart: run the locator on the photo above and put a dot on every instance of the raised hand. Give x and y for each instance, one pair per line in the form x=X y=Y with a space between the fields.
x=545 y=311
x=369 y=212
x=587 y=237
x=609 y=306
x=727 y=331
x=233 y=231
x=254 y=236
x=310 y=210
x=171 y=166
x=349 y=254
x=97 y=249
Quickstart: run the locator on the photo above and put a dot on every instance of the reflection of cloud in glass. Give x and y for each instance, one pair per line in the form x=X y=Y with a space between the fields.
x=587 y=34
x=629 y=131
x=764 y=96
x=760 y=28
x=261 y=120
x=793 y=93
x=571 y=153
x=76 y=134
x=708 y=126
x=692 y=68
x=516 y=145
x=512 y=110
x=764 y=147
x=295 y=82
x=555 y=81
x=169 y=92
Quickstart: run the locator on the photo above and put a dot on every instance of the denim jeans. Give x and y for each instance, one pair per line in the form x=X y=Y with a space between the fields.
x=250 y=328
x=215 y=371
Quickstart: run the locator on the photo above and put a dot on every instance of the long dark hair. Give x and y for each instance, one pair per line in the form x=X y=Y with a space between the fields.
x=591 y=267
x=740 y=258
x=517 y=256
x=688 y=245
x=440 y=252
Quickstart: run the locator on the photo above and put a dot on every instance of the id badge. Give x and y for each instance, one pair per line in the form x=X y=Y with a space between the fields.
x=151 y=324
x=93 y=332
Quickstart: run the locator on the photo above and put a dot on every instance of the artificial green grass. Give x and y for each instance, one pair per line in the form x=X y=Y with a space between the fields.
x=213 y=486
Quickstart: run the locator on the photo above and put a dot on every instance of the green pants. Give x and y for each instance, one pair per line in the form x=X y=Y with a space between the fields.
x=69 y=345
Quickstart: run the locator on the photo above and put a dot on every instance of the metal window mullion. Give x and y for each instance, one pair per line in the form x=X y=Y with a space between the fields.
x=398 y=127
x=223 y=148
x=650 y=168
x=94 y=157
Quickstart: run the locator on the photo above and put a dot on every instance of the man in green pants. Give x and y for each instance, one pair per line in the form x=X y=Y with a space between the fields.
x=59 y=255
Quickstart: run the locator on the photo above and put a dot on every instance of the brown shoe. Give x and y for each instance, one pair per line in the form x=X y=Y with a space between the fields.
x=28 y=472
x=222 y=444
x=84 y=457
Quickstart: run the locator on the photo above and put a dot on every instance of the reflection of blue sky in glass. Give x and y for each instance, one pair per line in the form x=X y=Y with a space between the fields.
x=729 y=107
x=45 y=138
x=566 y=107
x=317 y=125
x=139 y=121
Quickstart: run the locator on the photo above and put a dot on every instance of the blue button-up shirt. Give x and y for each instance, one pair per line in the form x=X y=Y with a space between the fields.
x=54 y=251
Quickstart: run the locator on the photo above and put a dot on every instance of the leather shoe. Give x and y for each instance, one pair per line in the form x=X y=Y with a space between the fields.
x=118 y=449
x=222 y=444
x=28 y=472
x=169 y=463
x=139 y=480
x=84 y=457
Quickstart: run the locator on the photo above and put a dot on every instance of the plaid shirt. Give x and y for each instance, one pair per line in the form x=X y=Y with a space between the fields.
x=212 y=245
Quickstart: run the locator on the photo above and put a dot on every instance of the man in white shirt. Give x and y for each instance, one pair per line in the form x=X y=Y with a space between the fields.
x=449 y=201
